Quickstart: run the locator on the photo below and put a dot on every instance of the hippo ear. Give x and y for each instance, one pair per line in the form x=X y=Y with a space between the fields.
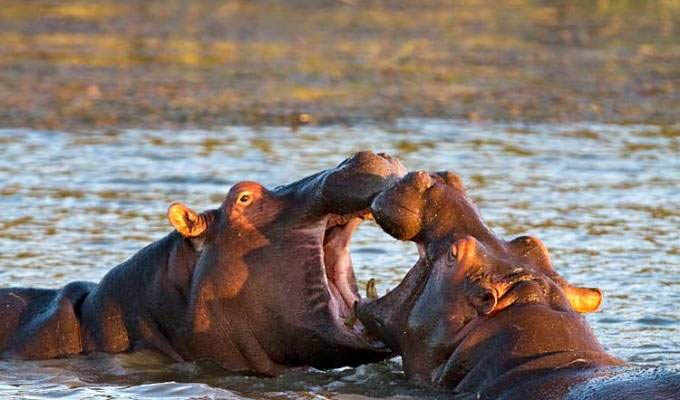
x=583 y=300
x=186 y=221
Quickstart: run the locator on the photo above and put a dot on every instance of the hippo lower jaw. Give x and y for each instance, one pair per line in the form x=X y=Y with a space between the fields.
x=339 y=276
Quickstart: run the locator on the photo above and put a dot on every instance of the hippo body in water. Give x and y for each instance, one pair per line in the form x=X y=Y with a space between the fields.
x=261 y=283
x=488 y=318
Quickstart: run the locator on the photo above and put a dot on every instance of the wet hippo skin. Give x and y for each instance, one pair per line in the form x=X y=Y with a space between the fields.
x=261 y=283
x=487 y=318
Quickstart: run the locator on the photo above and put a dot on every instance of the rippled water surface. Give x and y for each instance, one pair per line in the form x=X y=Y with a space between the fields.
x=604 y=198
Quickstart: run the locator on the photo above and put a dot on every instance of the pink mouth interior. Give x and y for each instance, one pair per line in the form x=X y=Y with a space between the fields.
x=339 y=271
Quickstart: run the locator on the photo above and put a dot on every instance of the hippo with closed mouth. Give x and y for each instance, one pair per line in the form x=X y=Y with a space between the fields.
x=261 y=283
x=488 y=318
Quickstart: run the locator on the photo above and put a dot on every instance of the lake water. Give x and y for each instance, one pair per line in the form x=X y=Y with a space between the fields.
x=604 y=198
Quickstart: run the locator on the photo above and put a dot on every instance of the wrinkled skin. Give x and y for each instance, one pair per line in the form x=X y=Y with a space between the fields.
x=261 y=283
x=486 y=317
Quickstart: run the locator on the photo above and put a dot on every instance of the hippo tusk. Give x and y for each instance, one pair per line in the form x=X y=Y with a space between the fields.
x=371 y=291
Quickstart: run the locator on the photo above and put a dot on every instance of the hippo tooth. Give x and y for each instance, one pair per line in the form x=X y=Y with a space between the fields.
x=371 y=291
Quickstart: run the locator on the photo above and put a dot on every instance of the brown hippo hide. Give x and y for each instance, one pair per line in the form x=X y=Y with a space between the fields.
x=488 y=318
x=261 y=283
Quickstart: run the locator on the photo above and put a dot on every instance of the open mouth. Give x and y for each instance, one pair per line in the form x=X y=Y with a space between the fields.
x=340 y=278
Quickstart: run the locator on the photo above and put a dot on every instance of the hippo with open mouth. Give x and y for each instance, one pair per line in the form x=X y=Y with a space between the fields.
x=261 y=283
x=488 y=318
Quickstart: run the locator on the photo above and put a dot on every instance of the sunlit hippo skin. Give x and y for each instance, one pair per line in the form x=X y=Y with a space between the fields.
x=261 y=283
x=488 y=318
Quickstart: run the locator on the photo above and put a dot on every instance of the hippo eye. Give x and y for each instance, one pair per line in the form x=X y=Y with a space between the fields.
x=245 y=198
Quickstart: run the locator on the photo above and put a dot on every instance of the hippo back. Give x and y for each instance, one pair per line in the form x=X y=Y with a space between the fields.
x=41 y=323
x=629 y=383
x=579 y=383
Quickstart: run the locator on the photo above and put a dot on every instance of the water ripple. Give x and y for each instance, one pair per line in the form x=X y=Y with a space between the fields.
x=603 y=197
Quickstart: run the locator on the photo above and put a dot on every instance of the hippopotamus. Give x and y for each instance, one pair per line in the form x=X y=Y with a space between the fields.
x=488 y=318
x=262 y=283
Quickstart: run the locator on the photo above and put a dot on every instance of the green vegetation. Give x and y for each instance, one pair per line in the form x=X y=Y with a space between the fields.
x=89 y=63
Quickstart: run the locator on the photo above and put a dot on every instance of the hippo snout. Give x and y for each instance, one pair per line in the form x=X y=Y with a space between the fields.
x=352 y=185
x=398 y=209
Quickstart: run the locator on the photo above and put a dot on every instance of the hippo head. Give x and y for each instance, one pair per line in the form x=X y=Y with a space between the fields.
x=274 y=285
x=470 y=294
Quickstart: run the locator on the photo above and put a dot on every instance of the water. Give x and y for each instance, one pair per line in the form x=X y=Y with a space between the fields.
x=104 y=63
x=604 y=198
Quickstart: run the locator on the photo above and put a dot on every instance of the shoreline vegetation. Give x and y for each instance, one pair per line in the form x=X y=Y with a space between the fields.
x=98 y=64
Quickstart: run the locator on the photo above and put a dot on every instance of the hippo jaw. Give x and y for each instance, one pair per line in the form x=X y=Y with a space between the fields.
x=385 y=317
x=339 y=201
x=339 y=272
x=340 y=198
